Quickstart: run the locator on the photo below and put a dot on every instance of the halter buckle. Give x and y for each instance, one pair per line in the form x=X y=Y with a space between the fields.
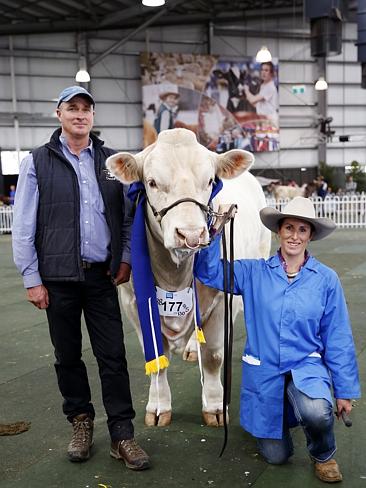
x=225 y=213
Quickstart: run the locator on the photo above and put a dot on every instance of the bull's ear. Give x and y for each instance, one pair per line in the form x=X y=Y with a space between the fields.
x=124 y=167
x=232 y=163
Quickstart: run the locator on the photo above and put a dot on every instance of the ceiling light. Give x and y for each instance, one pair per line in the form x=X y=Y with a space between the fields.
x=263 y=55
x=153 y=3
x=82 y=76
x=321 y=84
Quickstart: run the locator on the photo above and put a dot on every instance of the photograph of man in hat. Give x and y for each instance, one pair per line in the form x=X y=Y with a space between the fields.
x=167 y=111
x=299 y=344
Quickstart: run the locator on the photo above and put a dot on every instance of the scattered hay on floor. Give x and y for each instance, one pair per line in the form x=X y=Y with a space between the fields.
x=15 y=428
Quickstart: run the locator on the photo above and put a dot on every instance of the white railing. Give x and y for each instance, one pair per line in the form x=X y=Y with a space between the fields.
x=346 y=211
x=6 y=218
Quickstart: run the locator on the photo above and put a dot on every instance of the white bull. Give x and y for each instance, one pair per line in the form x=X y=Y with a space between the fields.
x=176 y=166
x=282 y=192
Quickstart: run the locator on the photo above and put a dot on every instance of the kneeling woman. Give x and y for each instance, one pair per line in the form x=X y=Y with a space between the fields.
x=299 y=341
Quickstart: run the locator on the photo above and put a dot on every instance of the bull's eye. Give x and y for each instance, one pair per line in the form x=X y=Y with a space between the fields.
x=152 y=183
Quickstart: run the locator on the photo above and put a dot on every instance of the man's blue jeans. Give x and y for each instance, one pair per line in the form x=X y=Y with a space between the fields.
x=316 y=418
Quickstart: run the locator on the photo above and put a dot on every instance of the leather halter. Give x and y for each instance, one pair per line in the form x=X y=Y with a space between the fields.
x=161 y=213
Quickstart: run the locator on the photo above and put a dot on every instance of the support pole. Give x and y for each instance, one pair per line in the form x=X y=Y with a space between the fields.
x=322 y=109
x=210 y=36
x=14 y=99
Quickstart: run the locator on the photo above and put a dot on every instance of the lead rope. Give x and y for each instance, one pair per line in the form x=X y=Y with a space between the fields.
x=228 y=326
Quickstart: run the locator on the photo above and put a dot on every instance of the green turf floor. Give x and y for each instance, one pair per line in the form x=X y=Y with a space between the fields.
x=186 y=454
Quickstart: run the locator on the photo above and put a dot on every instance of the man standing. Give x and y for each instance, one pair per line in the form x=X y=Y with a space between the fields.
x=12 y=194
x=351 y=186
x=71 y=242
x=322 y=187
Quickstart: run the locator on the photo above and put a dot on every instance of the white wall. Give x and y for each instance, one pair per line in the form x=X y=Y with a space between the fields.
x=45 y=64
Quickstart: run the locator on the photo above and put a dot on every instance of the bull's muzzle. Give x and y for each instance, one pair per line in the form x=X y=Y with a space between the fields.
x=191 y=238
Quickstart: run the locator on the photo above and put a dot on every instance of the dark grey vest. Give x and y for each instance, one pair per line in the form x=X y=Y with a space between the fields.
x=58 y=220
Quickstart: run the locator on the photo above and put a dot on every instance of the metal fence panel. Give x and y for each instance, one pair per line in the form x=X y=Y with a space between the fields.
x=346 y=211
x=6 y=219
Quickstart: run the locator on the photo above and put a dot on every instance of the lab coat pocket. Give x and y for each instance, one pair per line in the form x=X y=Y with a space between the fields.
x=251 y=370
x=261 y=401
x=305 y=312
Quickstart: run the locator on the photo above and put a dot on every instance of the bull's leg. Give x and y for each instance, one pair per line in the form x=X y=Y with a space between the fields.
x=190 y=351
x=159 y=407
x=158 y=383
x=212 y=359
x=212 y=392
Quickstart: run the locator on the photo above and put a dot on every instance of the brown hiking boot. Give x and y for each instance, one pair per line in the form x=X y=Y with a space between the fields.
x=82 y=438
x=131 y=453
x=328 y=471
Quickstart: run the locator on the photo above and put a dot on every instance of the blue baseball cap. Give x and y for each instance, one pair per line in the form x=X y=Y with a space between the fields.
x=71 y=92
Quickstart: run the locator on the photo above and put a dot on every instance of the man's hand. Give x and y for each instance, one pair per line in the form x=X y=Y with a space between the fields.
x=123 y=274
x=38 y=295
x=343 y=405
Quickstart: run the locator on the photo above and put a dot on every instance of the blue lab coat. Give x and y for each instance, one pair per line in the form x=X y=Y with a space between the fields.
x=300 y=327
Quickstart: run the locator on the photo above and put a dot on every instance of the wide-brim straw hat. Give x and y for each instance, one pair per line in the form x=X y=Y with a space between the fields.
x=163 y=95
x=298 y=208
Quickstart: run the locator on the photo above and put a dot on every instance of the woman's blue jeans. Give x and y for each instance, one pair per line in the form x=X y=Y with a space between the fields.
x=316 y=418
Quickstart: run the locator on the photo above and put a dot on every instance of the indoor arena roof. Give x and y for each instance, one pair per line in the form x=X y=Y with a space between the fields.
x=41 y=16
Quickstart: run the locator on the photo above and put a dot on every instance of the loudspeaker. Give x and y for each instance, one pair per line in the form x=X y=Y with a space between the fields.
x=326 y=36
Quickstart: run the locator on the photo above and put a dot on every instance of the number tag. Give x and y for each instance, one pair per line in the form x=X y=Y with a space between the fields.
x=174 y=303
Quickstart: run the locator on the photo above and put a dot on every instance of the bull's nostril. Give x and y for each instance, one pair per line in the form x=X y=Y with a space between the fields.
x=180 y=236
x=191 y=238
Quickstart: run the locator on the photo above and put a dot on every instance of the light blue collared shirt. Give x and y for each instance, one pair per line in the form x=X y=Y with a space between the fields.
x=95 y=234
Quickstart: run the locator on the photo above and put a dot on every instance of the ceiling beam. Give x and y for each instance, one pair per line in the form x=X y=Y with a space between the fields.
x=129 y=18
x=54 y=8
x=73 y=4
x=125 y=14
x=126 y=39
x=10 y=10
x=150 y=21
x=47 y=27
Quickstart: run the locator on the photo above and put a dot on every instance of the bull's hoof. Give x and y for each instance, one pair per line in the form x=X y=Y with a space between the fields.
x=162 y=420
x=150 y=419
x=214 y=419
x=190 y=356
x=165 y=419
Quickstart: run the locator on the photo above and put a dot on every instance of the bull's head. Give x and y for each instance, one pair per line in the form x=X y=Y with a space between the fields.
x=176 y=167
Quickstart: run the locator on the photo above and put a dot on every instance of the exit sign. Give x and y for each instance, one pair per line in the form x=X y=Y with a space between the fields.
x=296 y=89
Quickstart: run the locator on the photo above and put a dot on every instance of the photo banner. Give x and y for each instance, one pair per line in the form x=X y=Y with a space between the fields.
x=229 y=104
